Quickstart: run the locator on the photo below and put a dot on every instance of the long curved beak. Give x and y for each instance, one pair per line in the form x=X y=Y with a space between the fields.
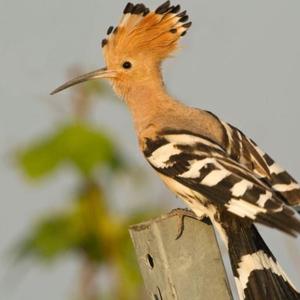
x=100 y=73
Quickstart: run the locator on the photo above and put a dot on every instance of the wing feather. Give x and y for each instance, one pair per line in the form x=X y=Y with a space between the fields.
x=256 y=160
x=204 y=167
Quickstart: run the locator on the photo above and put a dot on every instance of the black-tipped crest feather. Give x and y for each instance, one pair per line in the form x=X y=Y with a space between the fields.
x=176 y=9
x=163 y=8
x=104 y=42
x=109 y=30
x=146 y=12
x=128 y=8
x=182 y=14
x=187 y=25
x=138 y=9
x=183 y=19
x=116 y=30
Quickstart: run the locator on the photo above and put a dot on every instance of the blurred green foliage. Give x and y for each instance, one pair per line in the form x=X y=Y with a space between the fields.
x=79 y=144
x=86 y=227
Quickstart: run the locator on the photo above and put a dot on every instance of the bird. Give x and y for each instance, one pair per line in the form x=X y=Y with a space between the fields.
x=211 y=165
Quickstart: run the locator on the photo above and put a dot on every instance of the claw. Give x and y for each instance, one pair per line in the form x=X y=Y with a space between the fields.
x=182 y=213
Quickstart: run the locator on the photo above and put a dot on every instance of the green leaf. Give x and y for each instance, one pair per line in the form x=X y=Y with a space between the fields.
x=79 y=145
x=49 y=239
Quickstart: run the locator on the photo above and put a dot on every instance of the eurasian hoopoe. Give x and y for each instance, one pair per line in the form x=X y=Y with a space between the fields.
x=212 y=166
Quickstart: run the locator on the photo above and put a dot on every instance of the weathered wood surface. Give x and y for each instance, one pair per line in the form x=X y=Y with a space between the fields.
x=189 y=268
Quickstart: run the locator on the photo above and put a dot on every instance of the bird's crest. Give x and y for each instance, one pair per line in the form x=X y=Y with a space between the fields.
x=143 y=31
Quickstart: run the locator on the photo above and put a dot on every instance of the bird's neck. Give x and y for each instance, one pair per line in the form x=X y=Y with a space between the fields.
x=153 y=110
x=148 y=101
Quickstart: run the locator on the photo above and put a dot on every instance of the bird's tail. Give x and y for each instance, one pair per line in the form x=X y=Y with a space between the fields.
x=257 y=274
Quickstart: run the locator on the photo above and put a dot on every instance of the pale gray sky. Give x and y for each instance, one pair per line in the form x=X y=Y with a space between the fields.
x=240 y=60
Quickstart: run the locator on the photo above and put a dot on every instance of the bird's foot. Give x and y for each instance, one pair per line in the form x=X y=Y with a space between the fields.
x=182 y=213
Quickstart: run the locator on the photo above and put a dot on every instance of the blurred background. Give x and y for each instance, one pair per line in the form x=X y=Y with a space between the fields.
x=72 y=179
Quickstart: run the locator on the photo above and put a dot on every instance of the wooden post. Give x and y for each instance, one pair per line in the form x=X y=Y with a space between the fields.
x=189 y=268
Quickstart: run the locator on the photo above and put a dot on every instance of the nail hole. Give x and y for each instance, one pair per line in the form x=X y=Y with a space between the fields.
x=150 y=260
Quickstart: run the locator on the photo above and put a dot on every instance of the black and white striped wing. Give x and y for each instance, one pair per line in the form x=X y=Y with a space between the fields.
x=202 y=173
x=200 y=170
x=246 y=152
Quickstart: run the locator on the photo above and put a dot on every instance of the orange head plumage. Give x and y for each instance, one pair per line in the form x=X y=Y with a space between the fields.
x=146 y=33
x=135 y=48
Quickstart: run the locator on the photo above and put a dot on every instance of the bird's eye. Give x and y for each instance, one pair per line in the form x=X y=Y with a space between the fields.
x=127 y=65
